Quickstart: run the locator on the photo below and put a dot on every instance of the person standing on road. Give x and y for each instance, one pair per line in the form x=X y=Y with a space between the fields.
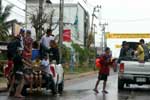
x=18 y=72
x=104 y=70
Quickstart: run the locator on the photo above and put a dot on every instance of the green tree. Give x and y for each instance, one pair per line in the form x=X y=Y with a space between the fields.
x=4 y=23
x=37 y=24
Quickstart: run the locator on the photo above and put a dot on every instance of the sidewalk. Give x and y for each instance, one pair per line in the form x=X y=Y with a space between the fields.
x=3 y=84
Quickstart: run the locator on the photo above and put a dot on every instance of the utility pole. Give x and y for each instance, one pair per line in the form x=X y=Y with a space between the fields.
x=104 y=41
x=40 y=16
x=26 y=22
x=95 y=9
x=61 y=14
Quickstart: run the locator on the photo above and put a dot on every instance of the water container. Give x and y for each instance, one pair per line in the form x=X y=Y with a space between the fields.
x=35 y=54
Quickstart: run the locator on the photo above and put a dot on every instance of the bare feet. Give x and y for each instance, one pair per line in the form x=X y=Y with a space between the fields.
x=95 y=90
x=104 y=91
x=19 y=96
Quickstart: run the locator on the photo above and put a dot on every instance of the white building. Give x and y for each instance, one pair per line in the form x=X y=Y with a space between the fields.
x=76 y=18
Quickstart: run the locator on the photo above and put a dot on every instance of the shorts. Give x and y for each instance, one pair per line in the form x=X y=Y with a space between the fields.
x=102 y=77
x=19 y=76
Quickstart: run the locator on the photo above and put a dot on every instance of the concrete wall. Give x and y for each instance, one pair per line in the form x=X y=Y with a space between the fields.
x=70 y=12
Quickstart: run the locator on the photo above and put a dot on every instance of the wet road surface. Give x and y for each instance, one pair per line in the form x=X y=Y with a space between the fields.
x=82 y=89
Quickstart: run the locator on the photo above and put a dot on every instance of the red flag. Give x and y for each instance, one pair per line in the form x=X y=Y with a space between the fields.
x=67 y=35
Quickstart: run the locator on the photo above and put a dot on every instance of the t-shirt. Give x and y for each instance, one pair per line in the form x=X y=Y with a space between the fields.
x=45 y=40
x=105 y=62
x=12 y=47
x=28 y=43
x=54 y=54
x=45 y=66
x=140 y=52
x=27 y=47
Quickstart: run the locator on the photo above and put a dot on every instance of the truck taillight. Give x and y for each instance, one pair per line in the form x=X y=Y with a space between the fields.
x=122 y=67
x=52 y=69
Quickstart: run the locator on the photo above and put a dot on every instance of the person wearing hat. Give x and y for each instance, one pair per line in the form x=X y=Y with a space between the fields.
x=105 y=61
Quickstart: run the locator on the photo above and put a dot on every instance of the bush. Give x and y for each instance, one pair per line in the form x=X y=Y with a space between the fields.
x=65 y=54
x=84 y=53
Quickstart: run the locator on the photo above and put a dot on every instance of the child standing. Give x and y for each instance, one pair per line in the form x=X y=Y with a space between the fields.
x=104 y=70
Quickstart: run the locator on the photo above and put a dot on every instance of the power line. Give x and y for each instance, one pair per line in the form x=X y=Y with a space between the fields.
x=18 y=13
x=14 y=5
x=21 y=2
x=25 y=5
x=18 y=7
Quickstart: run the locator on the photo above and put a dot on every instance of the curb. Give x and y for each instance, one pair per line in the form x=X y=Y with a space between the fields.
x=74 y=76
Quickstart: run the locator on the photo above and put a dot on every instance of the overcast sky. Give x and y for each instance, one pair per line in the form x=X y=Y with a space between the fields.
x=121 y=15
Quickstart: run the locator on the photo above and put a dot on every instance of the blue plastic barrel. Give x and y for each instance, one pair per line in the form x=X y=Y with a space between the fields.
x=35 y=54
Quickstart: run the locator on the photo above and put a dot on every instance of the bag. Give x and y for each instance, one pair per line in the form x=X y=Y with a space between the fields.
x=97 y=63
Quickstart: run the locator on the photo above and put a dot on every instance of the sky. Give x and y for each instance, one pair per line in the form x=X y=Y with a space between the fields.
x=122 y=16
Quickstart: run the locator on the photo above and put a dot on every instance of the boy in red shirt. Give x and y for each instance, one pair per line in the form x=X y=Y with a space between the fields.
x=104 y=70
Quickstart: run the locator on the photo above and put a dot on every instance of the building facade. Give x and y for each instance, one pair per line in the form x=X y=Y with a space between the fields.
x=75 y=19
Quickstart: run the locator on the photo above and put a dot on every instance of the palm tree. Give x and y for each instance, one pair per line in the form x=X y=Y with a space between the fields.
x=4 y=23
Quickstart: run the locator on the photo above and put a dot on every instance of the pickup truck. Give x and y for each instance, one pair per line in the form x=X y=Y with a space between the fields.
x=131 y=71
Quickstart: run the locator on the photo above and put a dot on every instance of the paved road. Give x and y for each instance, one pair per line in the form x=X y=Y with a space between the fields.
x=81 y=89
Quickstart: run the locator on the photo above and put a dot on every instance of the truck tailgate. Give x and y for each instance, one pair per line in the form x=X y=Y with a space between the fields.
x=134 y=67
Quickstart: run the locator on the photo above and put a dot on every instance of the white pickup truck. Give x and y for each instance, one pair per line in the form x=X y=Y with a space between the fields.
x=133 y=72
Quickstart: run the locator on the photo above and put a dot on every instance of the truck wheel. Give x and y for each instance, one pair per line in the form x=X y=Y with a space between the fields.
x=61 y=87
x=53 y=87
x=120 y=84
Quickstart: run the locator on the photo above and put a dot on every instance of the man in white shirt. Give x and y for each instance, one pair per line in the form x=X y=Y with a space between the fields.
x=45 y=42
